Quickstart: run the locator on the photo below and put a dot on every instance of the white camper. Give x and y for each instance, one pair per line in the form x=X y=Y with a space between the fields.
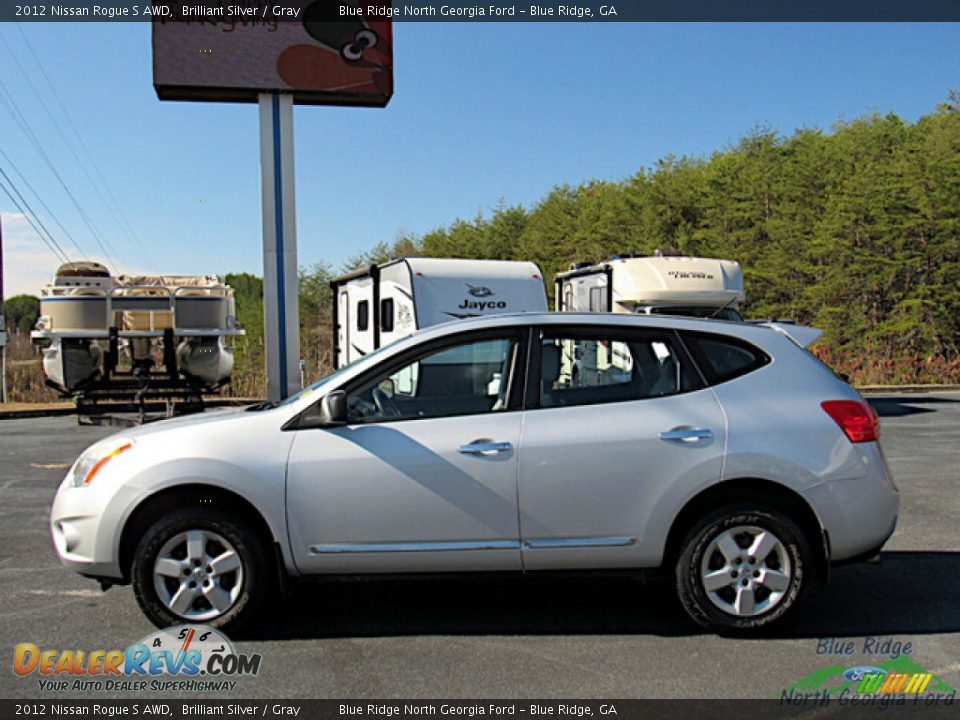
x=377 y=305
x=665 y=284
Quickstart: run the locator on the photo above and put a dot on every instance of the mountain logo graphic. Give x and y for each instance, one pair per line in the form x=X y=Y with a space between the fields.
x=899 y=675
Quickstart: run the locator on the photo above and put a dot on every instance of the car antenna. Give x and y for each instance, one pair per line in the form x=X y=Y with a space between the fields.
x=722 y=308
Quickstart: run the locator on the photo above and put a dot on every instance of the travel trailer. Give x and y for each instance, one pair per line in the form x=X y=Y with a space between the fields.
x=110 y=337
x=666 y=284
x=377 y=305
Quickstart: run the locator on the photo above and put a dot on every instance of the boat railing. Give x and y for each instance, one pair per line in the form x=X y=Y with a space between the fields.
x=136 y=311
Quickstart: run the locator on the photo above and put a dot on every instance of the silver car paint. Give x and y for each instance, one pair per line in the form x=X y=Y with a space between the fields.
x=405 y=482
x=792 y=440
x=242 y=452
x=774 y=429
x=602 y=471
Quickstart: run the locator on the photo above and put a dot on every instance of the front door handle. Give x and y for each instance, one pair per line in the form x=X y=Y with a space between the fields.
x=485 y=447
x=688 y=435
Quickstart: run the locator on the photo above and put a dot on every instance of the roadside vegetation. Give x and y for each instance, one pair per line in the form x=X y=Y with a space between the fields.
x=855 y=231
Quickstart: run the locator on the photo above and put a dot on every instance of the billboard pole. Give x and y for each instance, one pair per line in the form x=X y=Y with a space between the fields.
x=306 y=55
x=3 y=328
x=280 y=282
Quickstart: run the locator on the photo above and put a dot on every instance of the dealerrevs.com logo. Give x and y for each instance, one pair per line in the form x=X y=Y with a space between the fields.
x=185 y=658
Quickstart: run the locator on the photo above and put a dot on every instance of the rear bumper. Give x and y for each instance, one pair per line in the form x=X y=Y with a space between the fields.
x=858 y=508
x=867 y=555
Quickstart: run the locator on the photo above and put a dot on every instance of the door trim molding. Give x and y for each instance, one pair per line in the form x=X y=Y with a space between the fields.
x=578 y=542
x=334 y=549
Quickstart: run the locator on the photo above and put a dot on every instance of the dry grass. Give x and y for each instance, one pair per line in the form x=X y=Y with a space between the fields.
x=25 y=379
x=875 y=367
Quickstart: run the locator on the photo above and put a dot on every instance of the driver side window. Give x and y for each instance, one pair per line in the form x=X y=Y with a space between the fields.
x=464 y=379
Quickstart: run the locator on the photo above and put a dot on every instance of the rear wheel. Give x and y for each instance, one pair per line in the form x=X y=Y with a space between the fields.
x=200 y=566
x=742 y=569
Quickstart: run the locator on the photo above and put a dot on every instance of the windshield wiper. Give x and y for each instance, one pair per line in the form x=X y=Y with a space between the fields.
x=266 y=405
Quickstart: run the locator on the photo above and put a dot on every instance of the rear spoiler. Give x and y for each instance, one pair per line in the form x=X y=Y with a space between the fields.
x=802 y=335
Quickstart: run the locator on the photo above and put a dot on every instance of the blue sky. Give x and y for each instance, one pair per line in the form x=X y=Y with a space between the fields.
x=482 y=112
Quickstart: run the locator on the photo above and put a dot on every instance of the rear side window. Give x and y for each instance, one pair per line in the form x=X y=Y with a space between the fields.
x=723 y=358
x=363 y=315
x=587 y=367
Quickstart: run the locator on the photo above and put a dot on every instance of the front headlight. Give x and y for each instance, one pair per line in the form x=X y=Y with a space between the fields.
x=93 y=460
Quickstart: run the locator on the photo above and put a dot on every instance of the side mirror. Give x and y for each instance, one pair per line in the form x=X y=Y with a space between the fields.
x=332 y=412
x=333 y=408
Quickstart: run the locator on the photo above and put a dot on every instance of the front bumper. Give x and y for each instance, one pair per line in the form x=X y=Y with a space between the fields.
x=83 y=539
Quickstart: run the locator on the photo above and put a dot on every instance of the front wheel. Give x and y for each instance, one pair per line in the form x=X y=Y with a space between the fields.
x=200 y=566
x=742 y=569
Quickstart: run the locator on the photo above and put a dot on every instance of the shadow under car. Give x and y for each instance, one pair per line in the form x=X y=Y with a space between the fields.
x=906 y=593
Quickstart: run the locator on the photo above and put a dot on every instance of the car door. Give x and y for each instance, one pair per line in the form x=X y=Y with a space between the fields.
x=619 y=432
x=423 y=476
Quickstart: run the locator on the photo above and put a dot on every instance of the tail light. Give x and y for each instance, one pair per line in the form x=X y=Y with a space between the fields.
x=858 y=420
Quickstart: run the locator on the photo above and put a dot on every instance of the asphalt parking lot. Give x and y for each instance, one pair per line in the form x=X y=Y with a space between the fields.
x=523 y=638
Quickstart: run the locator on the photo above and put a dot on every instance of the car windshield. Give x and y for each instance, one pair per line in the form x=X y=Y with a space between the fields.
x=310 y=389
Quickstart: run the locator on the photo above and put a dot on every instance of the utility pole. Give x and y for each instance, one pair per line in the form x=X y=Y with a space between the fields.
x=3 y=328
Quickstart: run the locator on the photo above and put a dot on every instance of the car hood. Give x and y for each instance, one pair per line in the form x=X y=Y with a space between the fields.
x=205 y=418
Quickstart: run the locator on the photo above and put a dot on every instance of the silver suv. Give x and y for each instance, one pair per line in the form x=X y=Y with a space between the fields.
x=721 y=454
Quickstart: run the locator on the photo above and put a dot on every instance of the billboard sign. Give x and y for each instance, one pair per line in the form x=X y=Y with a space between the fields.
x=232 y=52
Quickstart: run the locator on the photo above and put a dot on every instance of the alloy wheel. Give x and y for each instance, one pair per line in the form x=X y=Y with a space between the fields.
x=198 y=575
x=746 y=571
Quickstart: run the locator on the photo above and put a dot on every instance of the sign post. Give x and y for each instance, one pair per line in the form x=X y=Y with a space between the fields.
x=280 y=297
x=3 y=329
x=277 y=55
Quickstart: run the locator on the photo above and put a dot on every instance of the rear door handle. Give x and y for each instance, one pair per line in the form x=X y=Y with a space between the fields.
x=485 y=448
x=688 y=435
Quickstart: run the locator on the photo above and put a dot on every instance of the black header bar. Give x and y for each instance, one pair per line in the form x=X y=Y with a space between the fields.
x=229 y=11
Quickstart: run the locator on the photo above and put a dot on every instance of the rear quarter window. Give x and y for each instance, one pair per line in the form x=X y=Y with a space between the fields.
x=723 y=358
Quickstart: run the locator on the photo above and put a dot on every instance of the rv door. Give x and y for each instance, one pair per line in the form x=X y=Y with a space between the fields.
x=343 y=328
x=568 y=301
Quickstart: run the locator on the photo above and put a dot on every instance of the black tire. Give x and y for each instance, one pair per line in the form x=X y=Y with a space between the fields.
x=255 y=563
x=706 y=612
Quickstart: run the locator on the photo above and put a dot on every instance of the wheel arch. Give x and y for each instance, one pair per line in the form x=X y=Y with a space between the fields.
x=763 y=493
x=178 y=497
